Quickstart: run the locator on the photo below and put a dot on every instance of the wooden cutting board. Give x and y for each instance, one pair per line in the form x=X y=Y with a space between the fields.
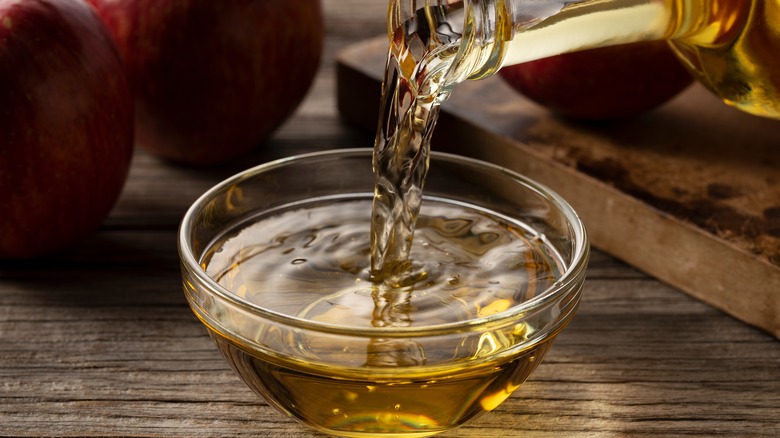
x=689 y=193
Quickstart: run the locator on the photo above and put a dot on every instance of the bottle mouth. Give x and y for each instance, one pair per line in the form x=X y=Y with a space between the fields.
x=209 y=299
x=450 y=42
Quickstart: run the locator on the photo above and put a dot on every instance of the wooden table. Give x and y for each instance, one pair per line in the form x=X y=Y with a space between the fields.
x=100 y=341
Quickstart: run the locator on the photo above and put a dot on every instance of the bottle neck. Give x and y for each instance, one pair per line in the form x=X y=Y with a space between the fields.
x=528 y=30
x=487 y=30
x=586 y=24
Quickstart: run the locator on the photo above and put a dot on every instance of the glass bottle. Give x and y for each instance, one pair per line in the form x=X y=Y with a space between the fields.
x=731 y=46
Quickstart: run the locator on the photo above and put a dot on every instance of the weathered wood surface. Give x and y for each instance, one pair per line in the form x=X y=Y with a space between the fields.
x=100 y=342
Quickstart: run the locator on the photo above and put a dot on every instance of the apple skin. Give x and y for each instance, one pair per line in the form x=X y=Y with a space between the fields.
x=66 y=125
x=214 y=79
x=606 y=83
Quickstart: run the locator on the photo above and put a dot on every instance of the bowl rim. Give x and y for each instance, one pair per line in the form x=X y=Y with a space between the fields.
x=566 y=283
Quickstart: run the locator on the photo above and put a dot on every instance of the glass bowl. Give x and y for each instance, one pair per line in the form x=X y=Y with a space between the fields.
x=275 y=264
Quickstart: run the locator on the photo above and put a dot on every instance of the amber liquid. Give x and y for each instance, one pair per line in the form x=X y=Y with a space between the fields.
x=416 y=405
x=734 y=50
x=311 y=261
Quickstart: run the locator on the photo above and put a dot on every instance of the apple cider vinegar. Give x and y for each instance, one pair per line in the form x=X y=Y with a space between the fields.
x=311 y=261
x=349 y=298
x=733 y=48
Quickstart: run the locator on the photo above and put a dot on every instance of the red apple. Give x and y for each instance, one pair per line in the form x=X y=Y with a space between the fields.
x=213 y=79
x=66 y=124
x=605 y=83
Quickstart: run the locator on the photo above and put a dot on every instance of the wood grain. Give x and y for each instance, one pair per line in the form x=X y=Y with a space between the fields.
x=99 y=341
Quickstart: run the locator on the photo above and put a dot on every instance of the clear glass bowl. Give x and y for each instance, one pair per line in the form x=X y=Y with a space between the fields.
x=344 y=369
